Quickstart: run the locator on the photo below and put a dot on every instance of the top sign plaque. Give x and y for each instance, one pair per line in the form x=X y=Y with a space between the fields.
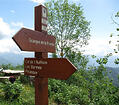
x=41 y=14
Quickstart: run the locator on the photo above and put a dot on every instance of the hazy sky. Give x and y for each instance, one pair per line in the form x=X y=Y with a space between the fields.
x=99 y=12
x=15 y=14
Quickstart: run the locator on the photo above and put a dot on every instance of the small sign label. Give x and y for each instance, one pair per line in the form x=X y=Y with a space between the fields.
x=44 y=12
x=44 y=28
x=44 y=21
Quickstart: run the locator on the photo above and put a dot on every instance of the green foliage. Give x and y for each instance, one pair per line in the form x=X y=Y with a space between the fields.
x=76 y=58
x=63 y=93
x=115 y=21
x=10 y=66
x=7 y=66
x=117 y=29
x=104 y=60
x=117 y=15
x=24 y=79
x=85 y=87
x=19 y=67
x=54 y=55
x=67 y=23
x=12 y=91
x=116 y=61
x=26 y=97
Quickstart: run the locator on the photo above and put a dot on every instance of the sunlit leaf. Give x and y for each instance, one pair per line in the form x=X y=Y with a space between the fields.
x=117 y=29
x=110 y=42
x=111 y=35
x=115 y=51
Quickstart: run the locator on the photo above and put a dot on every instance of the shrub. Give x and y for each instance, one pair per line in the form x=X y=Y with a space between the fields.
x=12 y=91
x=24 y=79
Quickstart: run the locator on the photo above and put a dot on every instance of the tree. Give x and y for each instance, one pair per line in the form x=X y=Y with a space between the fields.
x=115 y=20
x=69 y=26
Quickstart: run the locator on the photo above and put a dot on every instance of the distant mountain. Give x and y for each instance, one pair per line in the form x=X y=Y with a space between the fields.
x=3 y=61
x=113 y=74
x=12 y=58
x=110 y=63
x=112 y=68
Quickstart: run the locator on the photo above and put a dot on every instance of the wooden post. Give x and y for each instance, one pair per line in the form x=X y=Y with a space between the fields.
x=41 y=84
x=42 y=43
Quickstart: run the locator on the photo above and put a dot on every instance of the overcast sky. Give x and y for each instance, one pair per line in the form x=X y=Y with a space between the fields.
x=15 y=14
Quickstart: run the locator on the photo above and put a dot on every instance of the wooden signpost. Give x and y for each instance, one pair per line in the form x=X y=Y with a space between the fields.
x=59 y=68
x=29 y=40
x=41 y=66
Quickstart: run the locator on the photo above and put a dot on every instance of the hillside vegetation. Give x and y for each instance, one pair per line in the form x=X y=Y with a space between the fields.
x=87 y=86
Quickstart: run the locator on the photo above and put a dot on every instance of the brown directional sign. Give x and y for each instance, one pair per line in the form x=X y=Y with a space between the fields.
x=29 y=40
x=59 y=68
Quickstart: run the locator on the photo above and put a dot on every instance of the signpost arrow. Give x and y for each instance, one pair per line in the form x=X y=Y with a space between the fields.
x=29 y=40
x=58 y=68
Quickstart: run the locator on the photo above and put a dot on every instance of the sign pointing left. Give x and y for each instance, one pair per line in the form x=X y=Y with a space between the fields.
x=29 y=40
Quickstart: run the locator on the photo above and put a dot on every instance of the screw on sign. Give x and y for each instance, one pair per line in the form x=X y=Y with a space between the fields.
x=42 y=67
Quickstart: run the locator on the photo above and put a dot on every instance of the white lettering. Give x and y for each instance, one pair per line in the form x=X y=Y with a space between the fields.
x=36 y=67
x=31 y=62
x=44 y=12
x=27 y=67
x=41 y=42
x=31 y=72
x=44 y=21
x=35 y=62
x=41 y=62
